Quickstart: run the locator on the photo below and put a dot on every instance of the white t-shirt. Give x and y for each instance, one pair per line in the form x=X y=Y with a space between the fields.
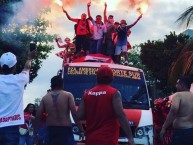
x=11 y=98
x=99 y=30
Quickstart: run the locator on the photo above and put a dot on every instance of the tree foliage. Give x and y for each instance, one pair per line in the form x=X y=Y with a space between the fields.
x=183 y=65
x=158 y=56
x=186 y=16
x=16 y=38
x=135 y=61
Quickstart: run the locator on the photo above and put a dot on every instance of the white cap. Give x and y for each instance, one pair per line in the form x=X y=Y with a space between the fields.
x=8 y=59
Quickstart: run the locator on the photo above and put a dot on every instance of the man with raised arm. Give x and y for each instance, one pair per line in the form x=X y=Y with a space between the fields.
x=109 y=22
x=11 y=97
x=99 y=30
x=102 y=109
x=82 y=30
x=121 y=44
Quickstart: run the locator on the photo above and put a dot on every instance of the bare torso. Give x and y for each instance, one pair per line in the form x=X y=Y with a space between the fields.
x=58 y=105
x=184 y=117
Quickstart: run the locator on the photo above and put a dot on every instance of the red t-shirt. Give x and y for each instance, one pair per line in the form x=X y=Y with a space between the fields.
x=102 y=127
x=82 y=27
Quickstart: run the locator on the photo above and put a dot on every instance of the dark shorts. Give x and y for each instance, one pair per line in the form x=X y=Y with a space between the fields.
x=182 y=136
x=58 y=135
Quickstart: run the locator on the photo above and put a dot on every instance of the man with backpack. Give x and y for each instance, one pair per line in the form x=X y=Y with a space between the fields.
x=82 y=31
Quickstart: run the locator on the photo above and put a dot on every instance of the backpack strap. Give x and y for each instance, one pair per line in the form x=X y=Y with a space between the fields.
x=87 y=25
x=75 y=26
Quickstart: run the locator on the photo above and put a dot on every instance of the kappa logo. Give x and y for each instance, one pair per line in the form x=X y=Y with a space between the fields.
x=97 y=93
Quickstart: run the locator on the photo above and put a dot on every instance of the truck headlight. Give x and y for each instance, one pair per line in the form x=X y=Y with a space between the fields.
x=139 y=132
x=144 y=131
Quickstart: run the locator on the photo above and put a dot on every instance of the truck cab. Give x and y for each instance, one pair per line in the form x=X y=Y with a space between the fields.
x=81 y=76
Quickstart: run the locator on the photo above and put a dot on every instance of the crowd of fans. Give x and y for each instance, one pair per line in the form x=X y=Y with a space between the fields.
x=94 y=36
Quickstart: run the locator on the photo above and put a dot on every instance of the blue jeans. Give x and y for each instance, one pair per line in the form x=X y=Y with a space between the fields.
x=9 y=135
x=42 y=137
x=28 y=139
x=96 y=46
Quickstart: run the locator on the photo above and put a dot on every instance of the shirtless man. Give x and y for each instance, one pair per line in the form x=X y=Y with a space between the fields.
x=181 y=114
x=58 y=104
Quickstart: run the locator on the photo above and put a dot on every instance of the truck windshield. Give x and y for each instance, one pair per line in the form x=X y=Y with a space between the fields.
x=133 y=90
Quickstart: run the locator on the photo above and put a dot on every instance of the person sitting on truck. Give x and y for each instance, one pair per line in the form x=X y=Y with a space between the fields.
x=102 y=109
x=69 y=53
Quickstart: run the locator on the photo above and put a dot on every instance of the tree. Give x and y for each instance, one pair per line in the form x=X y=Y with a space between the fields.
x=135 y=61
x=16 y=38
x=158 y=56
x=183 y=65
x=186 y=17
x=37 y=102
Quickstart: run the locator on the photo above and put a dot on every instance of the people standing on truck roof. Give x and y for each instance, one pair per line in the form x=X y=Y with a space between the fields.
x=181 y=115
x=109 y=22
x=82 y=32
x=99 y=30
x=102 y=109
x=121 y=44
x=69 y=53
x=58 y=104
x=11 y=97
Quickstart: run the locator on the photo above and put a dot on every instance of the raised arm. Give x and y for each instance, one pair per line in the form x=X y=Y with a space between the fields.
x=105 y=13
x=68 y=16
x=60 y=46
x=31 y=55
x=124 y=123
x=135 y=21
x=88 y=9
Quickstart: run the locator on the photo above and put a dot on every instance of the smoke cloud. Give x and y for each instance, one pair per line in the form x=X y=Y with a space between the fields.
x=27 y=10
